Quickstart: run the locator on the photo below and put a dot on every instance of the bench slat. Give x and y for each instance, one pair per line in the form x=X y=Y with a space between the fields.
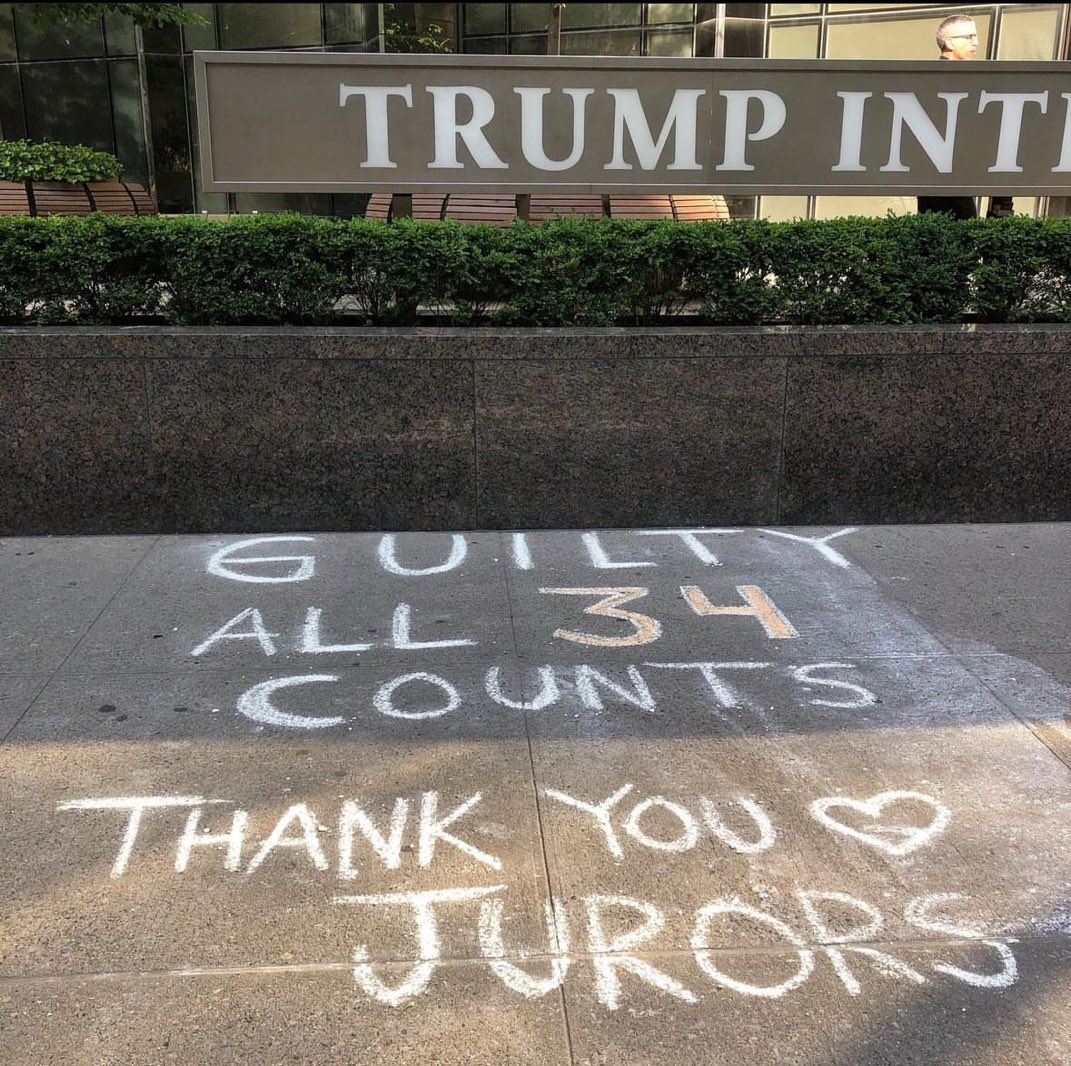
x=651 y=206
x=493 y=210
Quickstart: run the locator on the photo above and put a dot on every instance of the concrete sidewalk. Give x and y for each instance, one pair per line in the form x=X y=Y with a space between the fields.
x=626 y=797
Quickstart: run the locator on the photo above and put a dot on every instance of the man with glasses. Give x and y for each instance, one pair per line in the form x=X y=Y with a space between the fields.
x=957 y=38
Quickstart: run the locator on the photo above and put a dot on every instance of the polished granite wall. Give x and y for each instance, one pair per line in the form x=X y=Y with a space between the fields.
x=234 y=430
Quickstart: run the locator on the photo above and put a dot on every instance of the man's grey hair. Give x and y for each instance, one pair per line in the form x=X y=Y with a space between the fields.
x=946 y=25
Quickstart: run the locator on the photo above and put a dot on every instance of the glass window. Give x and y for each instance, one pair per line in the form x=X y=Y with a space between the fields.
x=794 y=42
x=527 y=17
x=534 y=44
x=601 y=43
x=793 y=9
x=660 y=13
x=486 y=45
x=200 y=38
x=836 y=9
x=583 y=16
x=170 y=132
x=347 y=24
x=7 y=33
x=670 y=42
x=127 y=119
x=78 y=39
x=913 y=38
x=311 y=203
x=744 y=37
x=68 y=102
x=119 y=35
x=269 y=25
x=12 y=116
x=166 y=40
x=1028 y=34
x=485 y=19
x=866 y=206
x=783 y=208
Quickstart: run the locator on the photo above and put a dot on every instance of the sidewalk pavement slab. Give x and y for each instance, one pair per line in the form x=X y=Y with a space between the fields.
x=580 y=797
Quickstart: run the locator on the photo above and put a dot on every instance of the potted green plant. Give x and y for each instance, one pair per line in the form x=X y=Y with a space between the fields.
x=46 y=178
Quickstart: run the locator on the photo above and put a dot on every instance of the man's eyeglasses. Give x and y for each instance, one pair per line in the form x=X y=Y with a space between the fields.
x=962 y=37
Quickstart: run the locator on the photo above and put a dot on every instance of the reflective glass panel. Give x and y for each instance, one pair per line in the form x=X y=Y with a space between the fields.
x=670 y=42
x=584 y=16
x=913 y=38
x=836 y=9
x=313 y=203
x=782 y=208
x=865 y=206
x=659 y=13
x=200 y=38
x=162 y=39
x=68 y=102
x=485 y=18
x=12 y=117
x=487 y=45
x=793 y=42
x=528 y=17
x=1026 y=34
x=744 y=37
x=119 y=35
x=269 y=25
x=534 y=44
x=127 y=117
x=7 y=33
x=346 y=24
x=170 y=133
x=64 y=41
x=601 y=43
x=793 y=9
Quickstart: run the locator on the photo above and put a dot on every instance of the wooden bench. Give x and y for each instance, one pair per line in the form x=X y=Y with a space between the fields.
x=144 y=204
x=700 y=208
x=544 y=206
x=13 y=198
x=426 y=206
x=497 y=209
x=60 y=198
x=491 y=209
x=112 y=197
x=648 y=207
x=378 y=206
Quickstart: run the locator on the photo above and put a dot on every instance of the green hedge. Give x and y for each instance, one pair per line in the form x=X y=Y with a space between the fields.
x=279 y=269
x=49 y=161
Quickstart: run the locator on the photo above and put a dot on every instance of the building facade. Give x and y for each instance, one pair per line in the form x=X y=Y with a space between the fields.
x=129 y=91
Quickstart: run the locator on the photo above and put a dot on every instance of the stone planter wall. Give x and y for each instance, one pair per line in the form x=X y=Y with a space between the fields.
x=237 y=430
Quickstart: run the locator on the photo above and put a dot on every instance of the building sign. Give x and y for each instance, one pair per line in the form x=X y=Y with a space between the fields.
x=309 y=122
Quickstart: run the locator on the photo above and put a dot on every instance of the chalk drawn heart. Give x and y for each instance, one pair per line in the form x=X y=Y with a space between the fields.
x=894 y=839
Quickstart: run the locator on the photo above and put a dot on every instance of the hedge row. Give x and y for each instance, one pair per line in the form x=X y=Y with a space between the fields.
x=291 y=269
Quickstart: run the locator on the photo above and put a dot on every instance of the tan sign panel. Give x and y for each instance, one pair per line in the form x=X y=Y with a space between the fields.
x=309 y=122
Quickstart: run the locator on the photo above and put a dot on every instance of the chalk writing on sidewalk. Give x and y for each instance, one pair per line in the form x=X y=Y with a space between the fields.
x=619 y=936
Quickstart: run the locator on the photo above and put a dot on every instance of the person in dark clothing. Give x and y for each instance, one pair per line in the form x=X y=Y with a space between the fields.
x=957 y=38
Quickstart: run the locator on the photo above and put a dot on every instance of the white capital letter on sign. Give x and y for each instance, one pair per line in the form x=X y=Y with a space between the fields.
x=736 y=134
x=681 y=119
x=448 y=129
x=907 y=111
x=1011 y=125
x=532 y=127
x=1065 y=150
x=851 y=131
x=375 y=122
